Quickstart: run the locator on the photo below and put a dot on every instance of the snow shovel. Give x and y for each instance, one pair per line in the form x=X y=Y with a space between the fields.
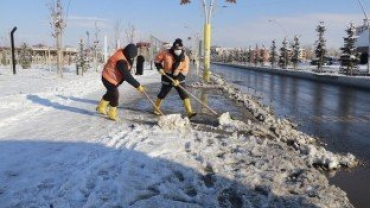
x=205 y=105
x=151 y=101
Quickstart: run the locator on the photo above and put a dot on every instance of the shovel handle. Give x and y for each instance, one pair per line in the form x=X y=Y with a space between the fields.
x=205 y=105
x=151 y=101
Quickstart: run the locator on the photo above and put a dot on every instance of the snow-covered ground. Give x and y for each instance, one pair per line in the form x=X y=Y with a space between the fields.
x=55 y=151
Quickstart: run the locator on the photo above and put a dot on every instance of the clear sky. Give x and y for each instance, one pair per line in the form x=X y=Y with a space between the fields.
x=234 y=25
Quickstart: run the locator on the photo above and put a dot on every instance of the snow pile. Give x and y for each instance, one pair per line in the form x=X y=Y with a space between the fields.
x=229 y=124
x=260 y=112
x=281 y=130
x=174 y=122
x=314 y=155
x=204 y=85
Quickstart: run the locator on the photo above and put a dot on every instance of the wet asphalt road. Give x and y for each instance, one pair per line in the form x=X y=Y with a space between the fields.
x=339 y=115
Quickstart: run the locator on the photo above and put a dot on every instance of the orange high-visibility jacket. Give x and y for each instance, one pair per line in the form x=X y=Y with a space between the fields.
x=166 y=59
x=110 y=72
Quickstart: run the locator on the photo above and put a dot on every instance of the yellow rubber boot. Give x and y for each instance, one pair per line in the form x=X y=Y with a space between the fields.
x=112 y=113
x=188 y=109
x=102 y=107
x=157 y=105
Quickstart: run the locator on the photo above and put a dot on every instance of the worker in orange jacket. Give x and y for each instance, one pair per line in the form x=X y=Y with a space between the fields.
x=115 y=72
x=173 y=62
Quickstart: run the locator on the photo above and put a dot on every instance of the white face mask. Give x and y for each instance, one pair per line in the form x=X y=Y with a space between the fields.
x=177 y=52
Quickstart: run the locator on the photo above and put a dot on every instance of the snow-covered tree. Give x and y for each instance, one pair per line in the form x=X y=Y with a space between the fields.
x=224 y=55
x=296 y=52
x=257 y=56
x=283 y=59
x=82 y=60
x=244 y=55
x=25 y=58
x=320 y=50
x=237 y=54
x=273 y=53
x=249 y=56
x=349 y=58
x=3 y=58
x=230 y=57
x=262 y=55
x=241 y=52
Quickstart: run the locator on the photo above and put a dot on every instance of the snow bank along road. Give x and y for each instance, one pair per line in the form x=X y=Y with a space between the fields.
x=333 y=78
x=55 y=151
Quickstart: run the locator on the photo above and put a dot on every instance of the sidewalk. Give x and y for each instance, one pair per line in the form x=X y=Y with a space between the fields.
x=66 y=155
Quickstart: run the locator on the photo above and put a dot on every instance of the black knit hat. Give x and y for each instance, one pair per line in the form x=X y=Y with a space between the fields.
x=177 y=43
x=130 y=51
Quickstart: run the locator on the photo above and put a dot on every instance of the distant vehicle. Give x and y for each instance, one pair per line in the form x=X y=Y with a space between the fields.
x=327 y=61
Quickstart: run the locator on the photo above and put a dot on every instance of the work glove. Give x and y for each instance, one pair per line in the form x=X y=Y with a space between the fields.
x=161 y=71
x=175 y=82
x=140 y=89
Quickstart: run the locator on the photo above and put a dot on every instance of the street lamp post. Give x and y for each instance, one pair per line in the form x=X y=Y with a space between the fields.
x=281 y=27
x=207 y=41
x=367 y=22
x=207 y=36
x=286 y=39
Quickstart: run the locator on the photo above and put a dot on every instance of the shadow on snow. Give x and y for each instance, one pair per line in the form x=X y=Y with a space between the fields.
x=62 y=174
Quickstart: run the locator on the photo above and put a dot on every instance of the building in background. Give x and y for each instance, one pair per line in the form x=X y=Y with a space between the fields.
x=40 y=54
x=362 y=43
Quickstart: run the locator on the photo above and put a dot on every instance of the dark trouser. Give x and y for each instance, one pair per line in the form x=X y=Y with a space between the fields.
x=112 y=94
x=167 y=86
x=139 y=68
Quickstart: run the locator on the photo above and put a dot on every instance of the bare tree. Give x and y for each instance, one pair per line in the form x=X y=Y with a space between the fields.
x=96 y=42
x=131 y=33
x=117 y=33
x=58 y=25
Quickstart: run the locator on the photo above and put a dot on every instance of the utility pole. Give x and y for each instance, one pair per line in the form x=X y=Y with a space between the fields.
x=58 y=25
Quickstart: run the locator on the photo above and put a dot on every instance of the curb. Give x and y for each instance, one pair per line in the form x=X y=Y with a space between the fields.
x=357 y=81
